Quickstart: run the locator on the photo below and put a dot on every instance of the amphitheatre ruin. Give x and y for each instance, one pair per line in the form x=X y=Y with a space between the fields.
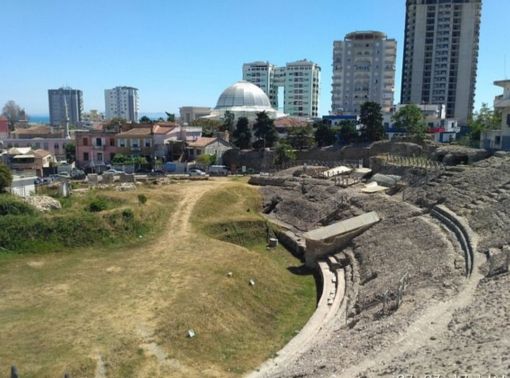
x=413 y=257
x=386 y=260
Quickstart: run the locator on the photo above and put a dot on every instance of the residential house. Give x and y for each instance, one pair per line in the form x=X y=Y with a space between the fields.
x=440 y=128
x=25 y=159
x=208 y=145
x=284 y=124
x=95 y=148
x=4 y=128
x=39 y=137
x=499 y=139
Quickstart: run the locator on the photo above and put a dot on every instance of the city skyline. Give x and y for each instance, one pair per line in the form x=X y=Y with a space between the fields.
x=180 y=61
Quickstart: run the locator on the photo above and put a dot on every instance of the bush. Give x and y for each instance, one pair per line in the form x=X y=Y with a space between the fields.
x=12 y=206
x=97 y=204
x=142 y=199
x=5 y=177
x=128 y=214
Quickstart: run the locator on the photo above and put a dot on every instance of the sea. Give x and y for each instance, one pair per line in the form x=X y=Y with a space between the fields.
x=45 y=118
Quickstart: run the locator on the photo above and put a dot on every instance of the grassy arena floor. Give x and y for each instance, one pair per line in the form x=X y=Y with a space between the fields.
x=124 y=311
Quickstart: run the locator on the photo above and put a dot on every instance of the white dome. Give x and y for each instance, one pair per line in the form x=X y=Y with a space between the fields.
x=244 y=94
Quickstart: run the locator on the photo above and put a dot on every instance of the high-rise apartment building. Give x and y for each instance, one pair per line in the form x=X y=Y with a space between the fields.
x=65 y=105
x=262 y=74
x=302 y=89
x=441 y=54
x=363 y=70
x=121 y=102
x=300 y=81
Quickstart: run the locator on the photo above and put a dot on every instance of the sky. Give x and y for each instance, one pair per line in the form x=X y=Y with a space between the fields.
x=184 y=53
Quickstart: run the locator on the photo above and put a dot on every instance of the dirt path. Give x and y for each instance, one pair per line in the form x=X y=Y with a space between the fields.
x=179 y=225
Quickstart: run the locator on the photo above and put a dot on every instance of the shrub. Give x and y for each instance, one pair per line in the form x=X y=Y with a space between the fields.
x=97 y=204
x=12 y=206
x=142 y=199
x=128 y=214
x=5 y=177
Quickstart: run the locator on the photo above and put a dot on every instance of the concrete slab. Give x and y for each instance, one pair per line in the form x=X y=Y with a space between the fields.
x=333 y=238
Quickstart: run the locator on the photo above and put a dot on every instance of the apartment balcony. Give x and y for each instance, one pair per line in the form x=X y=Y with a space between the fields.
x=502 y=102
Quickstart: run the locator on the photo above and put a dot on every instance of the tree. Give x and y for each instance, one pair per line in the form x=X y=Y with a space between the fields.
x=372 y=120
x=485 y=119
x=13 y=112
x=410 y=119
x=242 y=134
x=5 y=177
x=170 y=117
x=206 y=159
x=70 y=150
x=284 y=153
x=209 y=126
x=324 y=135
x=347 y=131
x=145 y=119
x=114 y=124
x=265 y=130
x=300 y=138
x=228 y=122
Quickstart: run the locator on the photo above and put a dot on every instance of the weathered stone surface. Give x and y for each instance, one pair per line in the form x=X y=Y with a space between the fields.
x=43 y=203
x=454 y=155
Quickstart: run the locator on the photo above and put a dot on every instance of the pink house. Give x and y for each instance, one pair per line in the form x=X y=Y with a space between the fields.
x=4 y=128
x=95 y=148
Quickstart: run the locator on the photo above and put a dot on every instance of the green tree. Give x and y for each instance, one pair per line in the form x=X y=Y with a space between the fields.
x=209 y=126
x=170 y=117
x=13 y=112
x=5 y=177
x=265 y=130
x=301 y=138
x=410 y=119
x=485 y=119
x=284 y=153
x=114 y=124
x=228 y=122
x=347 y=131
x=324 y=134
x=242 y=133
x=120 y=159
x=144 y=119
x=372 y=120
x=70 y=149
x=206 y=159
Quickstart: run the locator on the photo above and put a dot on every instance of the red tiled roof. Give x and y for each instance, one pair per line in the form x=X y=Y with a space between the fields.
x=146 y=130
x=290 y=122
x=202 y=142
x=33 y=130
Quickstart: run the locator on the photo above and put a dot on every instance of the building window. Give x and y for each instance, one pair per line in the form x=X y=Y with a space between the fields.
x=99 y=142
x=85 y=156
x=85 y=141
x=99 y=156
x=497 y=140
x=112 y=142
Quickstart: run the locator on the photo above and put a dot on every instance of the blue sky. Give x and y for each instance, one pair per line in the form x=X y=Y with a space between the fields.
x=186 y=52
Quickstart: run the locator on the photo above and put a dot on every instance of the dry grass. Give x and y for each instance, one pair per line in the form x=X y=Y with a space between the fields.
x=131 y=306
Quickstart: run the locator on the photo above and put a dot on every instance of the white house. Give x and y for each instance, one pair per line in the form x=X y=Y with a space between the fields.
x=499 y=139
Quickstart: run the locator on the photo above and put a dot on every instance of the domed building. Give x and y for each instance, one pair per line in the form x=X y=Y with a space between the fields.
x=243 y=99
